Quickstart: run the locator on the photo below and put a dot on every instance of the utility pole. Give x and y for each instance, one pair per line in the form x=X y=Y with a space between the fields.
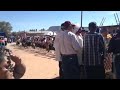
x=81 y=18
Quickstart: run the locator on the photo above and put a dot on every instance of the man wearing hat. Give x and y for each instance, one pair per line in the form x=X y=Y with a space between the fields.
x=69 y=46
x=57 y=51
x=114 y=47
x=93 y=53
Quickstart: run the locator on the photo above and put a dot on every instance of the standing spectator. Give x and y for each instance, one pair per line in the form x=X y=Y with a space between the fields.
x=93 y=53
x=83 y=32
x=5 y=39
x=108 y=56
x=79 y=54
x=104 y=34
x=69 y=46
x=57 y=51
x=114 y=47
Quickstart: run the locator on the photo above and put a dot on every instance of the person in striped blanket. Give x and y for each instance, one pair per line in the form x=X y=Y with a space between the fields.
x=108 y=56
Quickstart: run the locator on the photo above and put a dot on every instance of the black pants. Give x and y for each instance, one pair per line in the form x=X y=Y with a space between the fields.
x=117 y=66
x=71 y=69
x=95 y=72
x=60 y=70
x=5 y=43
x=82 y=72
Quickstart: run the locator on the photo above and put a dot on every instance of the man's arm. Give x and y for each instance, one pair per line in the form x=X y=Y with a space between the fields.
x=57 y=49
x=75 y=42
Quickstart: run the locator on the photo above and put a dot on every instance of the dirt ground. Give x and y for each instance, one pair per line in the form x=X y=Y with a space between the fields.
x=39 y=63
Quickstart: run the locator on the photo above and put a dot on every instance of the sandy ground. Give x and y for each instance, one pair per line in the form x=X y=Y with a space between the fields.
x=39 y=63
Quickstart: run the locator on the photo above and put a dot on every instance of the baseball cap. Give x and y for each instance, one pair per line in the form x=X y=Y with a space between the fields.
x=68 y=23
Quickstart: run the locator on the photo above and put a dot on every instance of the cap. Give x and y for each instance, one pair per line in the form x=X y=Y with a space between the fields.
x=68 y=23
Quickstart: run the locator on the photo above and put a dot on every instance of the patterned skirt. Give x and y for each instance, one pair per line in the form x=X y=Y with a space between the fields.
x=108 y=62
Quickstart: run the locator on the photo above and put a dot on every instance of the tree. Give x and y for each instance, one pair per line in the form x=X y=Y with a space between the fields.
x=5 y=27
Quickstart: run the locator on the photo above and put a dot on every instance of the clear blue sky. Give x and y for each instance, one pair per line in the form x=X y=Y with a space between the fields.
x=25 y=20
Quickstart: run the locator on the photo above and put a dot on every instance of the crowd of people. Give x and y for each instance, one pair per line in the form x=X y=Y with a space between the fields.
x=82 y=55
x=39 y=41
x=87 y=54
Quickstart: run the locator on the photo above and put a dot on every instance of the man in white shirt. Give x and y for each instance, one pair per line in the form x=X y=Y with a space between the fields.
x=57 y=51
x=69 y=47
x=80 y=39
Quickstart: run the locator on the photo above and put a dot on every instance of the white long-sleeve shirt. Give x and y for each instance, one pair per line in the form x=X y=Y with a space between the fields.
x=79 y=54
x=68 y=43
x=56 y=46
x=73 y=44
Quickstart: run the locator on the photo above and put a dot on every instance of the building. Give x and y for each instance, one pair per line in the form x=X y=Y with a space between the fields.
x=111 y=29
x=57 y=29
x=40 y=33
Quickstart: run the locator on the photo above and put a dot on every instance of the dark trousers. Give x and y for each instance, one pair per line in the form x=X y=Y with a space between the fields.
x=5 y=43
x=117 y=66
x=60 y=70
x=82 y=72
x=95 y=72
x=71 y=69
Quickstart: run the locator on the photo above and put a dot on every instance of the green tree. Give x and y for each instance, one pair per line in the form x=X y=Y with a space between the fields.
x=5 y=27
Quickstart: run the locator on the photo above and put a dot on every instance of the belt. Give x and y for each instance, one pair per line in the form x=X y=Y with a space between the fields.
x=68 y=55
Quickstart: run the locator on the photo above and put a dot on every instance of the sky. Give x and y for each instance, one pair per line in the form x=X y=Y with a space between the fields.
x=26 y=20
